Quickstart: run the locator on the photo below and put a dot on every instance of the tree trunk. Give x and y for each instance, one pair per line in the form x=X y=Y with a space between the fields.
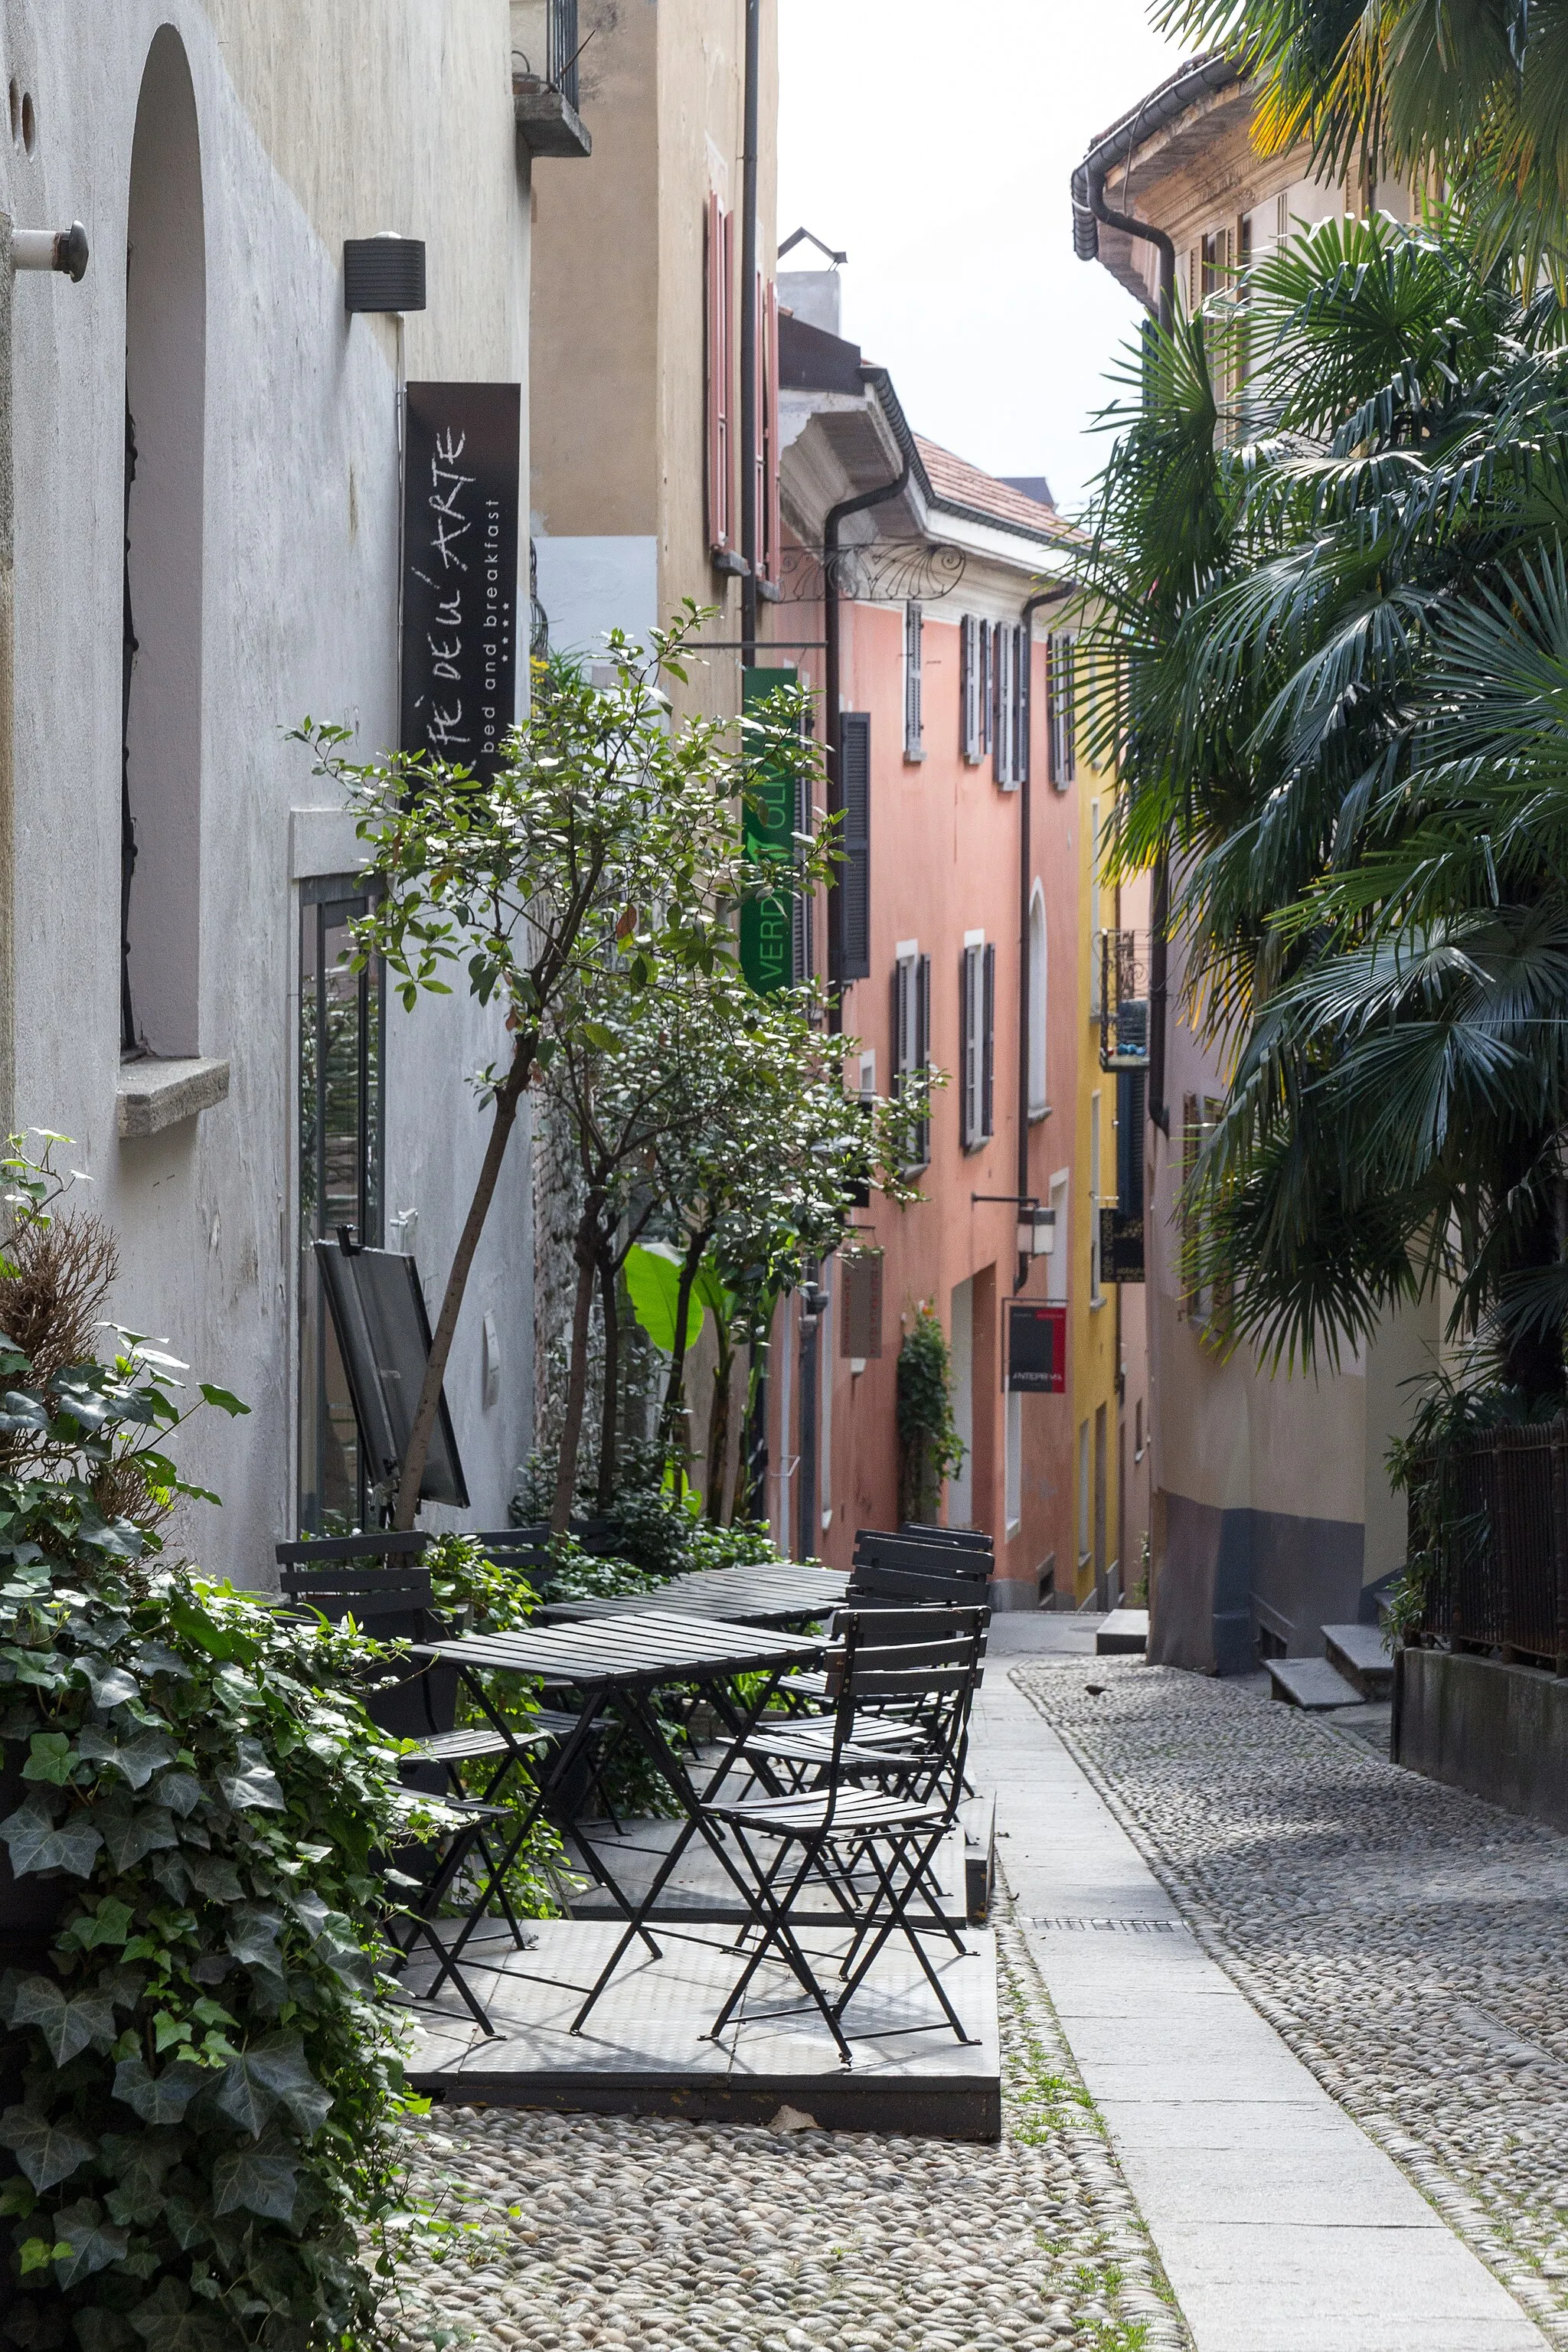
x=719 y=1431
x=674 y=1395
x=609 y=1422
x=506 y=1099
x=577 y=1372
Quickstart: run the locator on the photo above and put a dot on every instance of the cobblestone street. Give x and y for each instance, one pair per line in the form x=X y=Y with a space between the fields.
x=1405 y=1939
x=649 y=2234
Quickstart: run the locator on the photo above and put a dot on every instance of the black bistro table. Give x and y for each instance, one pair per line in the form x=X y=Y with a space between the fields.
x=787 y=1594
x=616 y=1667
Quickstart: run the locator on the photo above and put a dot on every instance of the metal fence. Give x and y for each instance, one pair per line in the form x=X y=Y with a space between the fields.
x=1489 y=1517
x=549 y=59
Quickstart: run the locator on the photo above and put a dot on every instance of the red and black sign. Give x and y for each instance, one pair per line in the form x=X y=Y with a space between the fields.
x=1036 y=1347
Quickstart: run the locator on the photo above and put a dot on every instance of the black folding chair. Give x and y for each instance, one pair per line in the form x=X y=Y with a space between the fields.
x=889 y=1741
x=416 y=1702
x=896 y=1834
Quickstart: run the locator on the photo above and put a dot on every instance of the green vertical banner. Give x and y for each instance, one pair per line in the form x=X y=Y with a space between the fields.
x=767 y=925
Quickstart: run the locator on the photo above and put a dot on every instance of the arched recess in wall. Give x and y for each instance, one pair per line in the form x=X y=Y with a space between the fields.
x=166 y=401
x=1038 y=1098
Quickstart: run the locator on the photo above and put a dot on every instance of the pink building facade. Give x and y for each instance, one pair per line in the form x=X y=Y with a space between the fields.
x=924 y=621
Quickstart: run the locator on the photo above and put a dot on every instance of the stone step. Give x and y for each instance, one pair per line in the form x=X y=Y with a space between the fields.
x=1360 y=1656
x=1121 y=1631
x=1311 y=1683
x=978 y=1817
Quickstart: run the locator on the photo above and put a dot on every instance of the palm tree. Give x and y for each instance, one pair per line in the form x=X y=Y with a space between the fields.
x=1469 y=95
x=1343 y=708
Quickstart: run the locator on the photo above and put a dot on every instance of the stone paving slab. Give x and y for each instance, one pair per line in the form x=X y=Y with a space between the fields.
x=1190 y=2079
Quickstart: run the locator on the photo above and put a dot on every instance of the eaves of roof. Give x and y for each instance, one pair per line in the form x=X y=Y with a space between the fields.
x=1199 y=78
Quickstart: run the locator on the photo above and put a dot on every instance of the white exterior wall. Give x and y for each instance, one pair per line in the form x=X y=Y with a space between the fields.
x=315 y=124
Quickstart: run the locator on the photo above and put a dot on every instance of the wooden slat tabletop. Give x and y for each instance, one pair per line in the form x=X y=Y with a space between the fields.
x=645 y=1648
x=756 y=1596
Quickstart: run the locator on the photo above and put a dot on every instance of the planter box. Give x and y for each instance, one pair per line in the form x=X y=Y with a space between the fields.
x=1480 y=1724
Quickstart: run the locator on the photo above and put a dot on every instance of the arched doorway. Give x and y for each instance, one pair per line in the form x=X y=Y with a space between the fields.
x=165 y=399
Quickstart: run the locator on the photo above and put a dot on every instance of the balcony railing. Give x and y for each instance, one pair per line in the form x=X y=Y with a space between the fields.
x=550 y=47
x=1489 y=1523
x=1123 y=1000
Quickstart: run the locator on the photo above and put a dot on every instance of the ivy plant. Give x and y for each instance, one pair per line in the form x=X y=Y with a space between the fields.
x=200 y=2079
x=930 y=1447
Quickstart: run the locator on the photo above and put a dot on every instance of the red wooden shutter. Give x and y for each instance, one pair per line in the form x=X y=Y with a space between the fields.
x=720 y=372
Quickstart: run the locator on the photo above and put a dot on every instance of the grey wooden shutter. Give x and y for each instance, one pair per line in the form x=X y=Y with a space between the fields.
x=923 y=1043
x=988 y=1042
x=860 y=1320
x=1025 y=662
x=987 y=682
x=852 y=891
x=967 y=667
x=900 y=1023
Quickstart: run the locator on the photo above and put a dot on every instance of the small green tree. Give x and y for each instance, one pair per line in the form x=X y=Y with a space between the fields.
x=608 y=843
x=930 y=1447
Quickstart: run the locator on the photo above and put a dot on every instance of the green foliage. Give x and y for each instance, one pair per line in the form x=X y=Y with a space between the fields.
x=203 y=2081
x=479 y=1595
x=653 y=1284
x=1342 y=699
x=929 y=1448
x=209 y=2077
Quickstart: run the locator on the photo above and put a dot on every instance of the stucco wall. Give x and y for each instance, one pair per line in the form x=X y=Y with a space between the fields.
x=314 y=124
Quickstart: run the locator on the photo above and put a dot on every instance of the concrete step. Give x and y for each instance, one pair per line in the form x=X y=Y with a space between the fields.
x=1121 y=1632
x=1358 y=1653
x=1311 y=1683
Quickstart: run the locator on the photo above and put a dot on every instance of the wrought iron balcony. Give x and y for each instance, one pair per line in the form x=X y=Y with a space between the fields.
x=1124 y=1000
x=546 y=48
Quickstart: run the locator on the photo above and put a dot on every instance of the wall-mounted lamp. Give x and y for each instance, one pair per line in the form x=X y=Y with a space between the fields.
x=384 y=273
x=64 y=249
x=1037 y=1234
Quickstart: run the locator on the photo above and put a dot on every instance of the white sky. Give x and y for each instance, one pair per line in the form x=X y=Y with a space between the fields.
x=933 y=141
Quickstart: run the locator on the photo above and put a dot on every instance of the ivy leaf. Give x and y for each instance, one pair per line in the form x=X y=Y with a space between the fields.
x=263 y=2179
x=158 y=2098
x=252 y=1937
x=90 y=2244
x=138 y=1759
x=110 y=1686
x=37 y=1844
x=181 y=1791
x=252 y=1787
x=225 y=1401
x=131 y=1830
x=271 y=2070
x=97 y=2330
x=50 y=1758
x=138 y=2161
x=110 y=1923
x=66 y=2025
x=157 y=1658
x=212 y=1875
x=19 y=1411
x=167 y=2323
x=48 y=2152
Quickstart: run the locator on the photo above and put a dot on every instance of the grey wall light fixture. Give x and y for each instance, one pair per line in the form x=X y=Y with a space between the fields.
x=384 y=273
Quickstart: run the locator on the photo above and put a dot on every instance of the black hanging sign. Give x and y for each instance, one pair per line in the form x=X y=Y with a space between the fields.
x=1121 y=1245
x=460 y=571
x=1036 y=1347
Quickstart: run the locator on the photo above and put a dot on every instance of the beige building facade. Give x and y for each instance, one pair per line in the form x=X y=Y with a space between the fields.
x=636 y=305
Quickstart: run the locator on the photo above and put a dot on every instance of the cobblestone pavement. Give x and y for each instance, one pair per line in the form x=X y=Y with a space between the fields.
x=1407 y=1940
x=643 y=2232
